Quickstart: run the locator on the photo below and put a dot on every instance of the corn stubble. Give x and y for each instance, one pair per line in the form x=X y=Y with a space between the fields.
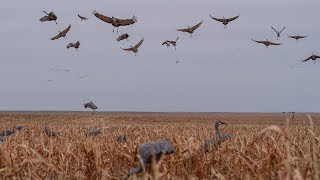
x=278 y=149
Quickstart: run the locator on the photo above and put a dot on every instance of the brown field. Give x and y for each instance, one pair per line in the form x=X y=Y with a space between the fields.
x=289 y=150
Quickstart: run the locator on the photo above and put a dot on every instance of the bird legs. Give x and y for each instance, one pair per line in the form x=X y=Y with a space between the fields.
x=93 y=112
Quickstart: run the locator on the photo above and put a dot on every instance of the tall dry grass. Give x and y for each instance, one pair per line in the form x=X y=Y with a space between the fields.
x=276 y=148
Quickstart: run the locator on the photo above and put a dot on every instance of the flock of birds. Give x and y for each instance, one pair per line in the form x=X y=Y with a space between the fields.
x=147 y=152
x=116 y=23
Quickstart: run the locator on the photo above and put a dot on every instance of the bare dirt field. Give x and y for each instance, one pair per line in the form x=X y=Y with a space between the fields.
x=263 y=146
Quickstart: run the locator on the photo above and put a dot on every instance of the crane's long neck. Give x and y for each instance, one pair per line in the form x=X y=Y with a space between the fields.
x=218 y=135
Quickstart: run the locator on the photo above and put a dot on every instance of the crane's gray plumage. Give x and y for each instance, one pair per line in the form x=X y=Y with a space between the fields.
x=10 y=132
x=123 y=36
x=94 y=132
x=150 y=150
x=50 y=133
x=90 y=105
x=75 y=45
x=49 y=17
x=217 y=139
x=2 y=139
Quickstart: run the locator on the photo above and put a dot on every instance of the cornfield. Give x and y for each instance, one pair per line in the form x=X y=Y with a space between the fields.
x=263 y=146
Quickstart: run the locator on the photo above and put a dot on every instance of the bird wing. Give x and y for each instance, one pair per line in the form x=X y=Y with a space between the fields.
x=217 y=19
x=231 y=19
x=317 y=56
x=77 y=43
x=165 y=42
x=67 y=29
x=272 y=43
x=274 y=29
x=102 y=17
x=307 y=59
x=282 y=29
x=81 y=17
x=196 y=26
x=56 y=37
x=45 y=18
x=259 y=41
x=139 y=43
x=70 y=45
x=52 y=14
x=125 y=22
x=183 y=30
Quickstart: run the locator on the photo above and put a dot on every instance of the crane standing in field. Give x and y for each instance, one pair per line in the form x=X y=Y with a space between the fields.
x=152 y=150
x=217 y=139
x=90 y=105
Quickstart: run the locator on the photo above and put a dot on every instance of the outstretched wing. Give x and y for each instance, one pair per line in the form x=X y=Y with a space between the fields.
x=165 y=42
x=262 y=42
x=217 y=19
x=272 y=43
x=57 y=36
x=183 y=30
x=231 y=19
x=274 y=29
x=126 y=22
x=307 y=59
x=67 y=29
x=102 y=17
x=52 y=14
x=196 y=26
x=82 y=17
x=45 y=18
x=282 y=29
x=139 y=43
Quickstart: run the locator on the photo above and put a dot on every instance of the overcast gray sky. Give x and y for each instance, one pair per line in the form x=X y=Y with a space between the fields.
x=219 y=70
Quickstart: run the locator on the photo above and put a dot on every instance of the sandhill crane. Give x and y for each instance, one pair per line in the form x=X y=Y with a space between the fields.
x=115 y=22
x=122 y=37
x=90 y=105
x=134 y=48
x=266 y=42
x=75 y=45
x=93 y=132
x=62 y=33
x=225 y=21
x=149 y=151
x=173 y=43
x=10 y=132
x=122 y=138
x=278 y=32
x=2 y=139
x=49 y=17
x=82 y=17
x=217 y=139
x=191 y=30
x=312 y=57
x=297 y=37
x=50 y=133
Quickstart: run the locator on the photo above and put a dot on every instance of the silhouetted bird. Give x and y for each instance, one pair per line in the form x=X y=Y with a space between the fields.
x=312 y=57
x=82 y=17
x=62 y=34
x=115 y=22
x=191 y=30
x=94 y=132
x=122 y=37
x=75 y=45
x=297 y=37
x=225 y=21
x=50 y=133
x=134 y=48
x=217 y=139
x=90 y=105
x=266 y=43
x=49 y=17
x=7 y=132
x=122 y=138
x=2 y=139
x=177 y=62
x=278 y=32
x=173 y=43
x=152 y=150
